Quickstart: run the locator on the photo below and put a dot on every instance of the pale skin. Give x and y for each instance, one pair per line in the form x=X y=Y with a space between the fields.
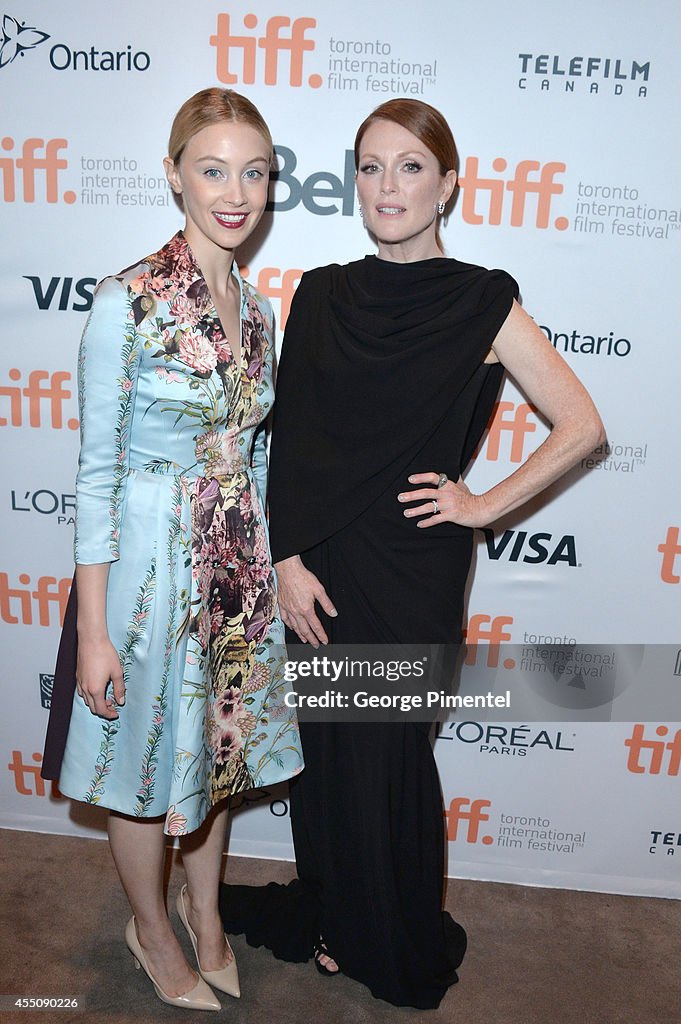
x=399 y=184
x=222 y=176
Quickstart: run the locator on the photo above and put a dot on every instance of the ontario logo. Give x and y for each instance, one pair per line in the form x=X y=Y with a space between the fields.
x=17 y=37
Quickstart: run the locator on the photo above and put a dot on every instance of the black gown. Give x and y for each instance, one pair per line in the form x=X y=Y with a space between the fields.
x=382 y=375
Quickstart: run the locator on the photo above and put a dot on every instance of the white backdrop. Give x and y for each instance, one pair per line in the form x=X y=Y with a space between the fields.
x=566 y=126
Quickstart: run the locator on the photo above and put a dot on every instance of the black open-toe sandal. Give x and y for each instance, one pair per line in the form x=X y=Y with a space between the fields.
x=320 y=950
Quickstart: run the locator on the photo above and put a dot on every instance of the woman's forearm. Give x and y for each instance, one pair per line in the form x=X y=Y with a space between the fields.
x=566 y=444
x=92 y=582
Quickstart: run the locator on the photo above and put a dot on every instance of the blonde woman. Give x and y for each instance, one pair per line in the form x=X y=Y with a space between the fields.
x=178 y=704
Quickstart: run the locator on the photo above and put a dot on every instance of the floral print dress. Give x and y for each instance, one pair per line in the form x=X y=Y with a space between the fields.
x=170 y=492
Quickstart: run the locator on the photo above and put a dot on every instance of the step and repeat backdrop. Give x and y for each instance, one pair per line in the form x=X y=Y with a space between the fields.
x=566 y=128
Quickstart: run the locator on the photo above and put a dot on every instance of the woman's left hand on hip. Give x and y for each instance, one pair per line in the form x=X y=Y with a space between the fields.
x=448 y=502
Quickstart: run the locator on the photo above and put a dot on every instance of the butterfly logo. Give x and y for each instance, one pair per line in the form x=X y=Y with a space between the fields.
x=16 y=38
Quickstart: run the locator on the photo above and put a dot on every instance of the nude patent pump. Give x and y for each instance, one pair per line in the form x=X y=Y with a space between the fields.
x=199 y=998
x=227 y=978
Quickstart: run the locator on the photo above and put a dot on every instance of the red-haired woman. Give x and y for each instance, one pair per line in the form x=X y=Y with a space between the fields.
x=389 y=371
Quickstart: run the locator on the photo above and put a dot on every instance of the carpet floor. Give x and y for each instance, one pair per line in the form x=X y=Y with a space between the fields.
x=535 y=955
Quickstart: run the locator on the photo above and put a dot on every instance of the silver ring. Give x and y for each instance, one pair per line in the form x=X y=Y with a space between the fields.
x=442 y=480
x=434 y=507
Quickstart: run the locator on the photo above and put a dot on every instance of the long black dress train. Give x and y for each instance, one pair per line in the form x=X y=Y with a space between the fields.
x=382 y=375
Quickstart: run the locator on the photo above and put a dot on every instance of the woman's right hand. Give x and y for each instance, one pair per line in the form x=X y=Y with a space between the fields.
x=98 y=664
x=298 y=590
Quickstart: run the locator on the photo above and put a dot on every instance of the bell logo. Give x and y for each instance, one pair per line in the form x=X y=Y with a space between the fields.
x=17 y=603
x=522 y=184
x=27 y=779
x=655 y=752
x=272 y=43
x=670 y=550
x=43 y=387
x=508 y=418
x=28 y=164
x=485 y=629
x=473 y=813
x=268 y=284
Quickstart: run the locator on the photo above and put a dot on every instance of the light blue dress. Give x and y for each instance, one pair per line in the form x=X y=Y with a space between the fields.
x=170 y=492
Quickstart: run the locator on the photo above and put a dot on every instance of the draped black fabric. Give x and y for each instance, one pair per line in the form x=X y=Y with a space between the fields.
x=382 y=375
x=376 y=354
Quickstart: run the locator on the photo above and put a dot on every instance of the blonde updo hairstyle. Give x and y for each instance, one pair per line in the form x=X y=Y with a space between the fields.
x=215 y=106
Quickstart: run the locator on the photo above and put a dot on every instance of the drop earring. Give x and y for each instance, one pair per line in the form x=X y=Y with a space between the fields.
x=440 y=207
x=361 y=213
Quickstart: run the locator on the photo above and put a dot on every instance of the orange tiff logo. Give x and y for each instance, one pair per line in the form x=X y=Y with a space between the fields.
x=19 y=603
x=529 y=178
x=483 y=629
x=670 y=550
x=43 y=389
x=281 y=34
x=277 y=284
x=654 y=750
x=473 y=813
x=33 y=164
x=27 y=779
x=517 y=421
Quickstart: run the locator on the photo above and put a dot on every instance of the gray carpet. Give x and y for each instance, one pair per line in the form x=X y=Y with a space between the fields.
x=535 y=955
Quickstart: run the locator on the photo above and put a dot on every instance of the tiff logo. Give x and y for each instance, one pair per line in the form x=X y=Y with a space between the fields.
x=42 y=387
x=670 y=550
x=485 y=629
x=508 y=418
x=637 y=743
x=277 y=284
x=27 y=779
x=295 y=42
x=473 y=813
x=17 y=604
x=28 y=164
x=521 y=185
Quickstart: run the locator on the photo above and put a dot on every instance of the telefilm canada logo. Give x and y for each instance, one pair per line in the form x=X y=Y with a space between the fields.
x=583 y=75
x=664 y=843
x=18 y=37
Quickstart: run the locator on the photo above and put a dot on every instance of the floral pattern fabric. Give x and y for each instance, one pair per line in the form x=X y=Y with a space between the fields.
x=170 y=492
